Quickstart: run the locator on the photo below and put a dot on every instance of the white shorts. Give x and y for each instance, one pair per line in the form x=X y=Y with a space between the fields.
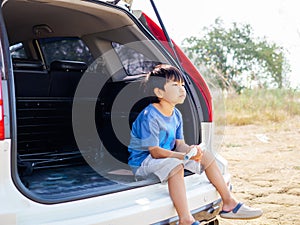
x=161 y=168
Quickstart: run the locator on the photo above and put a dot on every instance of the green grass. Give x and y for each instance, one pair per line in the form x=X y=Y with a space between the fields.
x=259 y=106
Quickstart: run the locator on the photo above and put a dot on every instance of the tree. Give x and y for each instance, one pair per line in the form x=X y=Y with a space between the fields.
x=237 y=59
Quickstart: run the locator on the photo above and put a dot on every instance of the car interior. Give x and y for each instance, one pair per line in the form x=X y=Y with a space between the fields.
x=77 y=68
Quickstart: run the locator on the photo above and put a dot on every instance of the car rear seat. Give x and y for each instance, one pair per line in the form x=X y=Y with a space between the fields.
x=44 y=112
x=44 y=120
x=65 y=76
x=31 y=78
x=123 y=115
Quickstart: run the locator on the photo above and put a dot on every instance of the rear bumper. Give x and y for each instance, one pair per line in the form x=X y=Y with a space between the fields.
x=145 y=205
x=204 y=214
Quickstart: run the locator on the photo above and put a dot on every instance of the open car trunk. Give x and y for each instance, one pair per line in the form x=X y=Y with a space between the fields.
x=73 y=116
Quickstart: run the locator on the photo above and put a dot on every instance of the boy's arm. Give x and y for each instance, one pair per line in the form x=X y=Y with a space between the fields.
x=158 y=152
x=181 y=149
x=181 y=146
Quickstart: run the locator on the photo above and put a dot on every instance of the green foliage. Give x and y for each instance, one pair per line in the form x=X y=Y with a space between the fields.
x=237 y=59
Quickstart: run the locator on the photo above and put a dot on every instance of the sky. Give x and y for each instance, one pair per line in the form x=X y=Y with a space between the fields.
x=276 y=20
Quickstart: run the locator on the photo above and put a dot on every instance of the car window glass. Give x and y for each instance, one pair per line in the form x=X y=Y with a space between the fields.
x=18 y=51
x=134 y=62
x=72 y=49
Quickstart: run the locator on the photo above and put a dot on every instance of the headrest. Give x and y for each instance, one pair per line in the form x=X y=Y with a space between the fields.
x=27 y=64
x=65 y=65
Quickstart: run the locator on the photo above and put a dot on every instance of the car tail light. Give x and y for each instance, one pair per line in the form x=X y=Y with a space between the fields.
x=185 y=62
x=2 y=125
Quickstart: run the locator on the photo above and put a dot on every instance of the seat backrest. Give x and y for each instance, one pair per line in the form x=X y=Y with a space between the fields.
x=65 y=76
x=31 y=78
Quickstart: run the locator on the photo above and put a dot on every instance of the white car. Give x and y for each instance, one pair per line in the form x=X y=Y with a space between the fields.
x=69 y=92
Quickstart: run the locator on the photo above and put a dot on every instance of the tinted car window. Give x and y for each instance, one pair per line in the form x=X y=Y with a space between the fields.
x=72 y=49
x=18 y=51
x=133 y=62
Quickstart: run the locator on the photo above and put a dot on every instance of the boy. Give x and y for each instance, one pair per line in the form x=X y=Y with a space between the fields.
x=157 y=148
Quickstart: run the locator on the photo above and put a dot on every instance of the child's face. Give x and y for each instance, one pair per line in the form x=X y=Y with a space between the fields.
x=174 y=92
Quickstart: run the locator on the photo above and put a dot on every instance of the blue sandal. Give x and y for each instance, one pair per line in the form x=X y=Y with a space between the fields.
x=196 y=223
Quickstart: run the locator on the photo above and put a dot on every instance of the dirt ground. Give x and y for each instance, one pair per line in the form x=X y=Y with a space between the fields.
x=264 y=162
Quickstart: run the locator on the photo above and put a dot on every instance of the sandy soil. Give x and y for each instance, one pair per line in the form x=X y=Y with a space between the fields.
x=264 y=162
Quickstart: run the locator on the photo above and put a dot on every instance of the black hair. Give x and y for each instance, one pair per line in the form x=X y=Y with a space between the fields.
x=159 y=76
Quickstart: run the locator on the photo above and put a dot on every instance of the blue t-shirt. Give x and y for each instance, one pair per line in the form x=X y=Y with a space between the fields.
x=152 y=128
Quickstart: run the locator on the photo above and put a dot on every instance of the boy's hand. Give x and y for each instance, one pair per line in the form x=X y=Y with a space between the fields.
x=199 y=154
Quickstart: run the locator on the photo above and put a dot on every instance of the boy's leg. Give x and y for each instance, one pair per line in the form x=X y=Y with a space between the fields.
x=231 y=208
x=170 y=170
x=214 y=175
x=177 y=193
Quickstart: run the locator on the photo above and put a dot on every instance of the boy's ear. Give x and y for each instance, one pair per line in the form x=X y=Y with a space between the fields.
x=158 y=92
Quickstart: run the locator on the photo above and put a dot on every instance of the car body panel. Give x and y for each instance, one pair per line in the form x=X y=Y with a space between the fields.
x=149 y=204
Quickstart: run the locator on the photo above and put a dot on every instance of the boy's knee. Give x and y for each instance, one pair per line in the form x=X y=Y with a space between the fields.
x=179 y=169
x=207 y=159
